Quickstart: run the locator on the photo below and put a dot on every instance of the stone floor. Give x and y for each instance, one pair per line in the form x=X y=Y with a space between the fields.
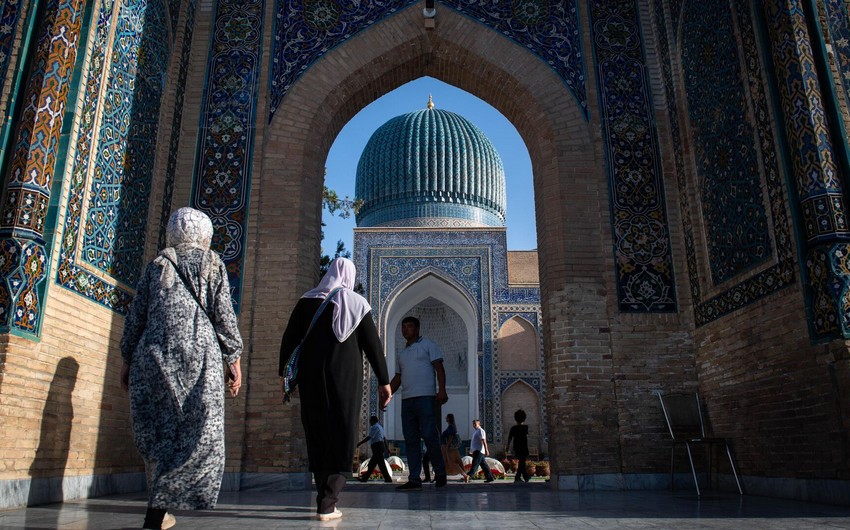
x=475 y=506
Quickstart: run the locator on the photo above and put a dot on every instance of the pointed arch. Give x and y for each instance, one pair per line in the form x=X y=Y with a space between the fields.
x=431 y=284
x=518 y=345
x=521 y=395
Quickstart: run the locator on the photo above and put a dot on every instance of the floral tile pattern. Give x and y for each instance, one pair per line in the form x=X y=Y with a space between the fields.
x=222 y=176
x=305 y=30
x=644 y=264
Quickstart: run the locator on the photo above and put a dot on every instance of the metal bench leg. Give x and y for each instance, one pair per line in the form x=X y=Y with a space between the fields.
x=672 y=460
x=734 y=472
x=693 y=469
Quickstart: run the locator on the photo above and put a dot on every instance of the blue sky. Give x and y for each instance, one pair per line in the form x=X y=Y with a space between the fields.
x=345 y=153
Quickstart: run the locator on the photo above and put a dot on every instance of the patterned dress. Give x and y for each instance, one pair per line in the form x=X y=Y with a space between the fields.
x=177 y=376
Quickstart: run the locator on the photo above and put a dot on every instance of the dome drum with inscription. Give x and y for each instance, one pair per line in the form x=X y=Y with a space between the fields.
x=430 y=168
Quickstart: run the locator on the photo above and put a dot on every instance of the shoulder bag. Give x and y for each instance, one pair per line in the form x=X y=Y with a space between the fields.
x=290 y=374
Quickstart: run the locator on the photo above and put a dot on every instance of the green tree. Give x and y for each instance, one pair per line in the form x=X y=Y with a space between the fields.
x=343 y=207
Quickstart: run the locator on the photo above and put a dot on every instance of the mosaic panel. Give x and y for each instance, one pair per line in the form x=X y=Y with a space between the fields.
x=771 y=278
x=645 y=280
x=70 y=273
x=826 y=288
x=307 y=29
x=176 y=122
x=32 y=167
x=222 y=177
x=475 y=261
x=818 y=181
x=818 y=178
x=9 y=17
x=113 y=238
x=727 y=165
x=33 y=157
x=838 y=25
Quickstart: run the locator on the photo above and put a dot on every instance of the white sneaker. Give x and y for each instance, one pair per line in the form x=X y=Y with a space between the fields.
x=336 y=514
x=168 y=521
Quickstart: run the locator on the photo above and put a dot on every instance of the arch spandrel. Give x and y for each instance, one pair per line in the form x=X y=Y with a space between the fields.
x=549 y=29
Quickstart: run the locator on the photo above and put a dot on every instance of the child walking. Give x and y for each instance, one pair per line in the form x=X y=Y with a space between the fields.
x=519 y=435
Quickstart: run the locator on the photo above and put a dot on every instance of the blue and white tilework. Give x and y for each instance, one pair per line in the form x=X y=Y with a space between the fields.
x=101 y=252
x=644 y=263
x=739 y=285
x=305 y=30
x=475 y=262
x=222 y=178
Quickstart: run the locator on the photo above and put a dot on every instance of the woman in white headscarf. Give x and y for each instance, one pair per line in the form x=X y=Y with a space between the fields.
x=330 y=379
x=180 y=333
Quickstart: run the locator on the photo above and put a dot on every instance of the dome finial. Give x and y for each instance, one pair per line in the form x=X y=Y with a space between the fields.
x=430 y=102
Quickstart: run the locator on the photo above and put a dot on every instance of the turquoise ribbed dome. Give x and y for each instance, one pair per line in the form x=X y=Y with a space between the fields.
x=430 y=168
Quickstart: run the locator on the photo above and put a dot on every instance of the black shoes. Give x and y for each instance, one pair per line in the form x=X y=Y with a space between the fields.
x=441 y=481
x=409 y=486
x=489 y=479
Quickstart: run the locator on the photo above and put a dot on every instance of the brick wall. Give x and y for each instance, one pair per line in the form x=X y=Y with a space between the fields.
x=781 y=399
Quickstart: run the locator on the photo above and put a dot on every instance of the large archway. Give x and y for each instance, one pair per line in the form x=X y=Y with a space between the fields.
x=568 y=171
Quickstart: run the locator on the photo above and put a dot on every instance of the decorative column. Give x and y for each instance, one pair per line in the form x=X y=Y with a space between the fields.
x=817 y=172
x=23 y=257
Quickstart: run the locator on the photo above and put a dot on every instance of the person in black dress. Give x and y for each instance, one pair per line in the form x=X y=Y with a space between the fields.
x=519 y=435
x=330 y=376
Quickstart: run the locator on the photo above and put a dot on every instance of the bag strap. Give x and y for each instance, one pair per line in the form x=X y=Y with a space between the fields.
x=188 y=286
x=290 y=374
x=318 y=313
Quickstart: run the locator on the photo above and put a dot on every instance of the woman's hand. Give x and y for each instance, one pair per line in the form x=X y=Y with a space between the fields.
x=385 y=394
x=234 y=378
x=125 y=377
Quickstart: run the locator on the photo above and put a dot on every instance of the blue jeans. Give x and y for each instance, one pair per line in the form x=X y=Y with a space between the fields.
x=478 y=459
x=418 y=422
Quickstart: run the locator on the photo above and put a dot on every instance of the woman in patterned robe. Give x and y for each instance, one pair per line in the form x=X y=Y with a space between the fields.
x=173 y=351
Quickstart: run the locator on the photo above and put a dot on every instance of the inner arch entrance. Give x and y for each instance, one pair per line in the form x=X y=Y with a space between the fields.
x=435 y=302
x=569 y=184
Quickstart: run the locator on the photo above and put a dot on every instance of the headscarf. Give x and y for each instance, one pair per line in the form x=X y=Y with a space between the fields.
x=186 y=227
x=349 y=307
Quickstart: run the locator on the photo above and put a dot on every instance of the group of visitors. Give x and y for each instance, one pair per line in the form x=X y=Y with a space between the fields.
x=181 y=349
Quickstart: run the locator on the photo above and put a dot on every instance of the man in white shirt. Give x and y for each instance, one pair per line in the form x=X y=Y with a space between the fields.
x=479 y=448
x=416 y=367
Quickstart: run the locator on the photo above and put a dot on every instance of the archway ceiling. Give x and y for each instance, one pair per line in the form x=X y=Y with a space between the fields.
x=305 y=30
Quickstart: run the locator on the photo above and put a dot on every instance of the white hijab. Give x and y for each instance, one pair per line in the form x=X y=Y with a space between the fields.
x=349 y=307
x=186 y=227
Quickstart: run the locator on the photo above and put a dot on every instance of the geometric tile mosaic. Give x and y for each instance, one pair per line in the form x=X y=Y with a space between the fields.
x=734 y=294
x=724 y=143
x=306 y=30
x=112 y=168
x=222 y=176
x=475 y=263
x=33 y=152
x=117 y=212
x=9 y=16
x=643 y=258
x=818 y=179
x=819 y=182
x=838 y=26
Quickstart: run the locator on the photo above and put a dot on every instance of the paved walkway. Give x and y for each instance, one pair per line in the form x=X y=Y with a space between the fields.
x=476 y=506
